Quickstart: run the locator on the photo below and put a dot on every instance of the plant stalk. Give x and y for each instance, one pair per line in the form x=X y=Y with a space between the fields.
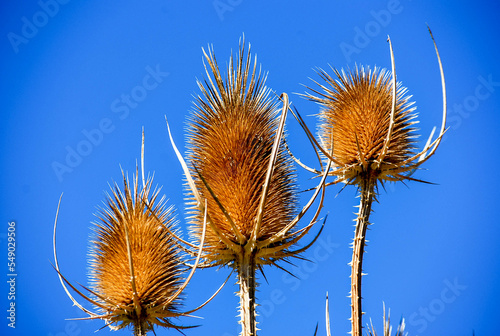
x=246 y=280
x=140 y=329
x=367 y=189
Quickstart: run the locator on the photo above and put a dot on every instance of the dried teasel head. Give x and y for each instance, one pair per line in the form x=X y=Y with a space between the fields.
x=231 y=136
x=136 y=270
x=239 y=165
x=355 y=120
x=367 y=120
x=128 y=227
x=241 y=177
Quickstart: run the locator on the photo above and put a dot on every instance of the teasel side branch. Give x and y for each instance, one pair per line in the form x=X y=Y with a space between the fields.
x=367 y=123
x=238 y=162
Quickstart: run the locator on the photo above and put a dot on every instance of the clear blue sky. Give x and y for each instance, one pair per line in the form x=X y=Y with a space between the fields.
x=66 y=73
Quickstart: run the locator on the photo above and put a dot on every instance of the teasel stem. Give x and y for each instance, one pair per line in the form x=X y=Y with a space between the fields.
x=140 y=329
x=367 y=195
x=247 y=268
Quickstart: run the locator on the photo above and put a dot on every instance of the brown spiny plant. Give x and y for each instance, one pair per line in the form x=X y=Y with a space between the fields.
x=137 y=273
x=366 y=122
x=238 y=163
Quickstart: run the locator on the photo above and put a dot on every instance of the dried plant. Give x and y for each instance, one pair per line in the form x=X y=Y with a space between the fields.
x=238 y=163
x=136 y=269
x=366 y=121
x=400 y=331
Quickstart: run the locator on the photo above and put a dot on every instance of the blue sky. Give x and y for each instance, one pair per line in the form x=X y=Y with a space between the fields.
x=80 y=80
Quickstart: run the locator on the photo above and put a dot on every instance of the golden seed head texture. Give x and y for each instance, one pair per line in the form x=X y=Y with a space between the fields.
x=130 y=230
x=230 y=139
x=356 y=116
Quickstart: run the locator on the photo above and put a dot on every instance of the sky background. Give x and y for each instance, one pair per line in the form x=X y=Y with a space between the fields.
x=66 y=66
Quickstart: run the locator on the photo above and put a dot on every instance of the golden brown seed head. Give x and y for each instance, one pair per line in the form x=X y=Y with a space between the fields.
x=356 y=116
x=128 y=223
x=230 y=139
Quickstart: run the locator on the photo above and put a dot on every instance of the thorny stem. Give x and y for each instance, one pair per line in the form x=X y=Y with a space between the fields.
x=140 y=328
x=367 y=189
x=246 y=279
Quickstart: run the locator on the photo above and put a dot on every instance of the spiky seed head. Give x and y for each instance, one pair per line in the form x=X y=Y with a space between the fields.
x=230 y=139
x=129 y=230
x=355 y=118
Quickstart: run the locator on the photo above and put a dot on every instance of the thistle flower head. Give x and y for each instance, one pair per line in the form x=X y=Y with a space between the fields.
x=231 y=135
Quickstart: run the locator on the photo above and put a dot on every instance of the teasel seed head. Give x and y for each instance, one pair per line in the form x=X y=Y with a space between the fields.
x=355 y=119
x=239 y=167
x=367 y=121
x=136 y=270
x=231 y=136
x=366 y=129
x=157 y=265
x=241 y=178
